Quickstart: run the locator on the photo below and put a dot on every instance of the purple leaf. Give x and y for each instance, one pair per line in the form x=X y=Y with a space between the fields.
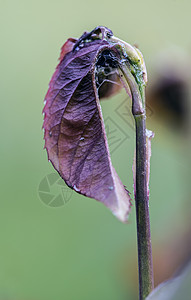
x=74 y=131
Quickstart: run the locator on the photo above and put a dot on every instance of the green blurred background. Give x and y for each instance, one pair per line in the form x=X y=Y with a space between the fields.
x=80 y=250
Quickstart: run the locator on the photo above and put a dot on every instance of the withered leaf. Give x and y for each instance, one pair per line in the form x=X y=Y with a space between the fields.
x=74 y=132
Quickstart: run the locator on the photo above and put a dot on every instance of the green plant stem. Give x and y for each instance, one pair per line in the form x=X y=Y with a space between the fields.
x=142 y=212
x=141 y=193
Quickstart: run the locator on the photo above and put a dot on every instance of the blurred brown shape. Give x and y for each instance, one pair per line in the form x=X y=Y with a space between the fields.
x=169 y=257
x=168 y=92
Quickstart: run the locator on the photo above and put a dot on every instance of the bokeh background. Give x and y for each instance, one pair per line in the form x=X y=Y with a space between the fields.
x=75 y=248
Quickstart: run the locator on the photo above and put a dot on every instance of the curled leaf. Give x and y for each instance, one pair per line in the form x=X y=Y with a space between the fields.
x=74 y=132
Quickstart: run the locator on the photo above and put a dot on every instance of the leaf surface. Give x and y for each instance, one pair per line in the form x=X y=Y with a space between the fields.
x=74 y=131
